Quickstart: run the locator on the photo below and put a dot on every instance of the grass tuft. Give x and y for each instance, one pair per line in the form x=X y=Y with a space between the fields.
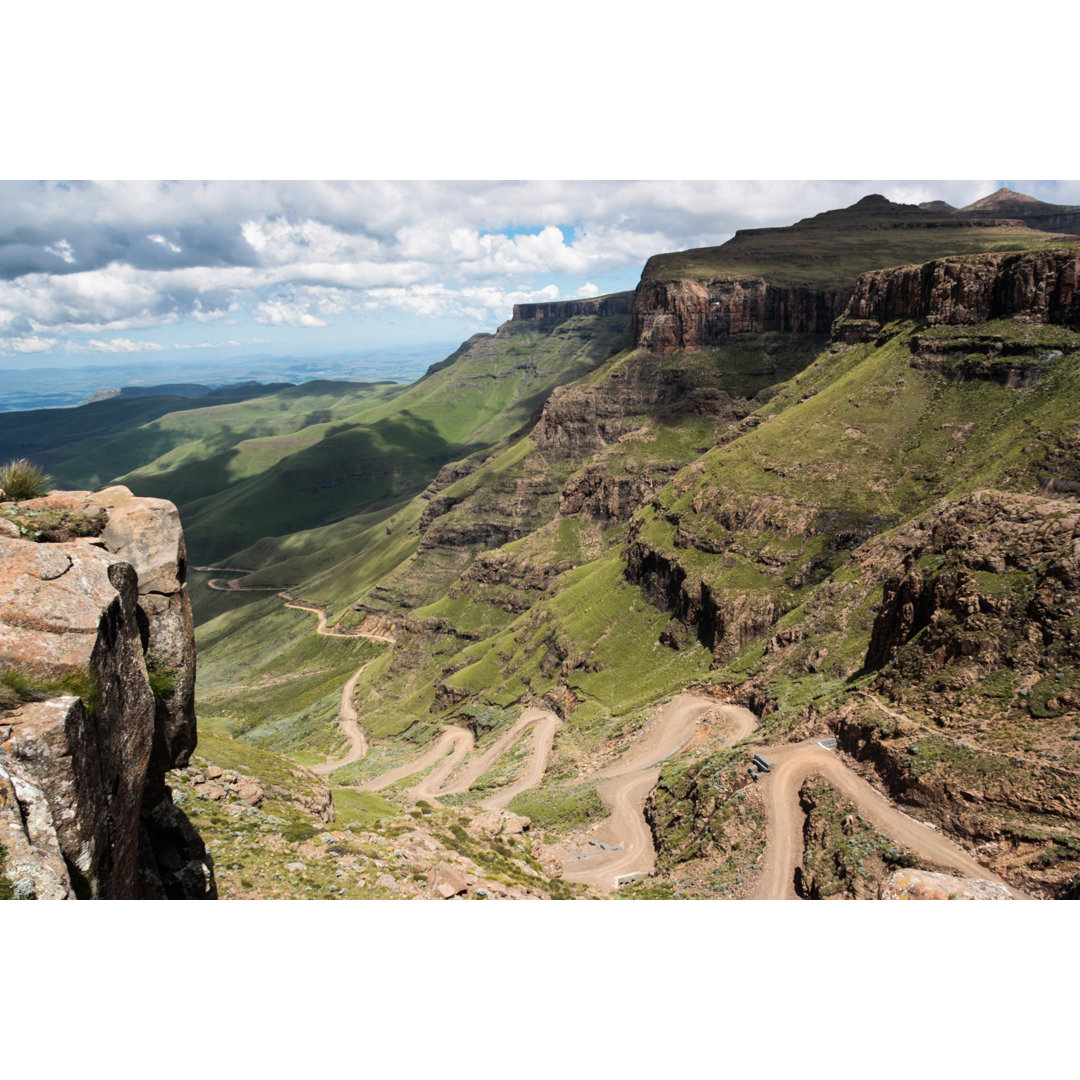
x=21 y=479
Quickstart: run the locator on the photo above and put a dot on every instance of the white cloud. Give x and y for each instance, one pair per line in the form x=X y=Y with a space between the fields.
x=587 y=290
x=159 y=239
x=285 y=313
x=26 y=344
x=62 y=250
x=119 y=345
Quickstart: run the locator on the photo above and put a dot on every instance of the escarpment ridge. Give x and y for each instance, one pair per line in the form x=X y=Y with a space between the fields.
x=613 y=304
x=798 y=279
x=97 y=651
x=1041 y=286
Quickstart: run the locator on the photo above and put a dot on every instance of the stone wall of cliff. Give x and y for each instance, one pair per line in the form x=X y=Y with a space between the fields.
x=685 y=315
x=1043 y=286
x=615 y=304
x=84 y=807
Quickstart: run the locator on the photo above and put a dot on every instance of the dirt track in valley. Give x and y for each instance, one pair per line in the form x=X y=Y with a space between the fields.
x=452 y=748
x=627 y=846
x=350 y=725
x=780 y=790
x=327 y=631
x=234 y=585
x=457 y=741
x=629 y=782
x=545 y=724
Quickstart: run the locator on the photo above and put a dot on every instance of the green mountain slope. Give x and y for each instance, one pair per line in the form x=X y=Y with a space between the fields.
x=736 y=518
x=861 y=528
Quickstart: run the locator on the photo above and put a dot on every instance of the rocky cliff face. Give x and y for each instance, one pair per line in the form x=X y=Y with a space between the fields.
x=684 y=315
x=561 y=310
x=1042 y=286
x=84 y=806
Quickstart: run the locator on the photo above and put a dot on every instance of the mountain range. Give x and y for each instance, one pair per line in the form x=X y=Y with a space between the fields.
x=760 y=580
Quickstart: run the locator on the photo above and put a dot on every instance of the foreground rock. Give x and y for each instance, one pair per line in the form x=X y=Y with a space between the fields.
x=924 y=885
x=108 y=618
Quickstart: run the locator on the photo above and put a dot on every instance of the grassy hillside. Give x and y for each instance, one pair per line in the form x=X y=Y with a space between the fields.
x=756 y=563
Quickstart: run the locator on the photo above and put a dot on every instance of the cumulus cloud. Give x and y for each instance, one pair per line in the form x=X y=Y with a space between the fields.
x=26 y=344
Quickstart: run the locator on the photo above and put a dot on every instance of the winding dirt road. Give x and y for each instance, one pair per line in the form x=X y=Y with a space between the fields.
x=623 y=840
x=780 y=789
x=457 y=741
x=233 y=585
x=453 y=747
x=530 y=717
x=327 y=631
x=544 y=724
x=350 y=725
x=626 y=833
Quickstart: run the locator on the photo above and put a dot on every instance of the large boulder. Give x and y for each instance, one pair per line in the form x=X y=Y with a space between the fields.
x=924 y=885
x=108 y=618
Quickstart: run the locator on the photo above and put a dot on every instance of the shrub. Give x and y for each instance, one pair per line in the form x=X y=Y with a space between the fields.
x=17 y=687
x=20 y=479
x=162 y=677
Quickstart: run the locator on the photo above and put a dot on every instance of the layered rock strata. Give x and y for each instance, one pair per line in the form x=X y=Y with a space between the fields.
x=561 y=310
x=1041 y=286
x=83 y=778
x=685 y=315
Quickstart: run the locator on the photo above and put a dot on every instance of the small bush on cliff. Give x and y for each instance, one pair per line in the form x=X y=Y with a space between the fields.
x=162 y=678
x=16 y=687
x=20 y=479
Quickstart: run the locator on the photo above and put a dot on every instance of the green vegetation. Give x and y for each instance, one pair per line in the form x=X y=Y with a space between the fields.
x=17 y=687
x=20 y=479
x=559 y=806
x=273 y=681
x=87 y=446
x=7 y=890
x=844 y=852
x=54 y=526
x=507 y=860
x=363 y=809
x=162 y=678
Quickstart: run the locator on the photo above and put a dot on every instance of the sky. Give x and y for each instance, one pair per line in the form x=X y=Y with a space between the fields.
x=91 y=271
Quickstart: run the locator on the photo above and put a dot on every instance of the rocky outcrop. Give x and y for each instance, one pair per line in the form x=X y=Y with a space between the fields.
x=578 y=421
x=686 y=315
x=608 y=499
x=561 y=310
x=107 y=617
x=924 y=885
x=1040 y=286
x=995 y=583
x=724 y=622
